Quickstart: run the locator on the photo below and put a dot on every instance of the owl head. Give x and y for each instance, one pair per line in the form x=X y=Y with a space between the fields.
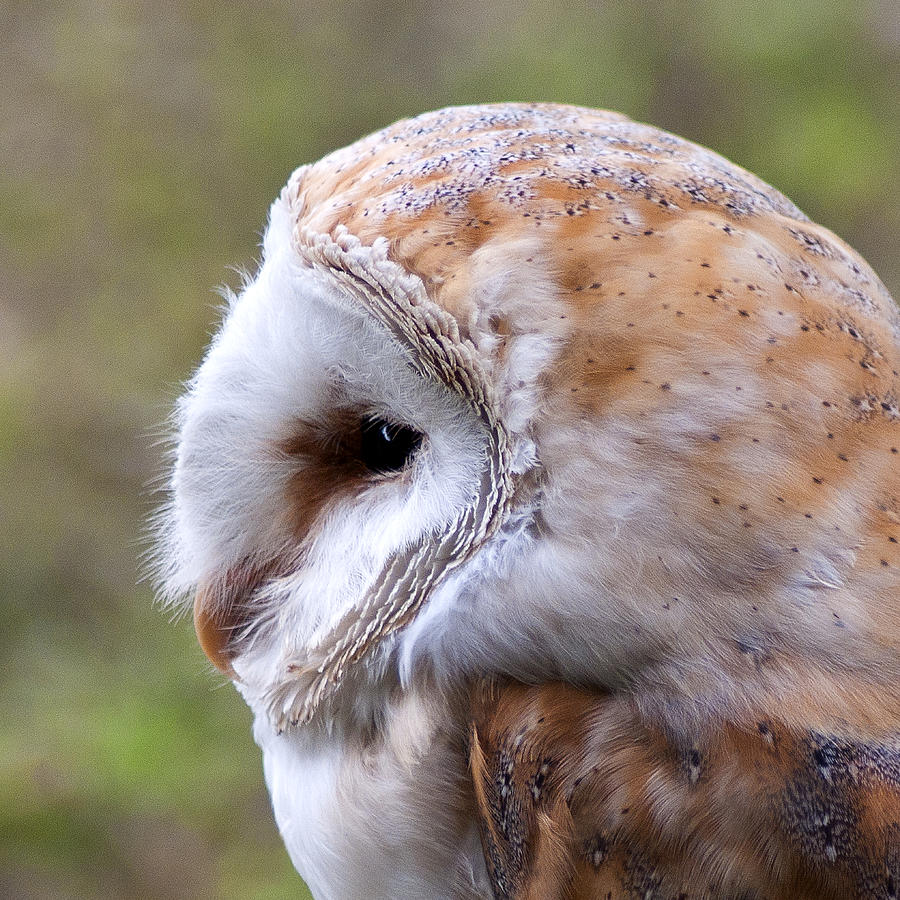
x=540 y=391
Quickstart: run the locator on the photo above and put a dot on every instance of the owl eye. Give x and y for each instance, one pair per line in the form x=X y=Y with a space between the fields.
x=386 y=447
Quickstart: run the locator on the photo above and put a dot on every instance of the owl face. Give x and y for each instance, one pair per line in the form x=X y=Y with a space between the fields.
x=535 y=390
x=321 y=467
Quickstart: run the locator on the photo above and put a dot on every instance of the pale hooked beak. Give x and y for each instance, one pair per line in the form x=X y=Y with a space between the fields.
x=221 y=612
x=213 y=632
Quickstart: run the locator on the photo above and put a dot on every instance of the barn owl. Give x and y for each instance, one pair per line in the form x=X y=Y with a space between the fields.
x=541 y=496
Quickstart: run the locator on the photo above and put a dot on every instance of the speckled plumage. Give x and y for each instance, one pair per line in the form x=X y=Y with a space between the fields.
x=581 y=796
x=659 y=484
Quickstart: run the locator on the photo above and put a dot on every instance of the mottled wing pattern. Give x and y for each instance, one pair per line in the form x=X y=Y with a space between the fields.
x=581 y=797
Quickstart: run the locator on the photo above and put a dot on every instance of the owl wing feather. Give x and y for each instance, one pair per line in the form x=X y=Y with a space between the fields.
x=582 y=797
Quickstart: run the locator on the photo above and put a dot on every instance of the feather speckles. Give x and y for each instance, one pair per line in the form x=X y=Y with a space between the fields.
x=625 y=623
x=821 y=808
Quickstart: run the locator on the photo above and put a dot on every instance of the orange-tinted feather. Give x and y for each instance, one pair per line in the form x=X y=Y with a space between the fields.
x=770 y=808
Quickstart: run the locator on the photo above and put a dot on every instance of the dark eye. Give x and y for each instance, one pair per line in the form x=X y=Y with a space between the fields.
x=386 y=447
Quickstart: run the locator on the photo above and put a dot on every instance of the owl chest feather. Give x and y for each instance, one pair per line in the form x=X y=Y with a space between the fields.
x=385 y=813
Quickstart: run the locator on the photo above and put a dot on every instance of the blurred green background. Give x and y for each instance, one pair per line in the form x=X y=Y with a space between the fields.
x=140 y=145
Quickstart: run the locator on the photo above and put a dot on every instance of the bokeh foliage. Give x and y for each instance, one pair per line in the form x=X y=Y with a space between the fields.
x=140 y=143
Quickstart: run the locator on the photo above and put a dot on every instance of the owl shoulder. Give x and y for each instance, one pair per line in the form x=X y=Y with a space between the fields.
x=581 y=796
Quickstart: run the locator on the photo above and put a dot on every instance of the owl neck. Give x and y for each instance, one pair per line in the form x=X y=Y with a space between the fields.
x=361 y=780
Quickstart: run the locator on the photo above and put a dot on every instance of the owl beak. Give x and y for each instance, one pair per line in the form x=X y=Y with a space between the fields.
x=213 y=632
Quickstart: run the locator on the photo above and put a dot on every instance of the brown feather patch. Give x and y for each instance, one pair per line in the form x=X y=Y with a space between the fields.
x=579 y=797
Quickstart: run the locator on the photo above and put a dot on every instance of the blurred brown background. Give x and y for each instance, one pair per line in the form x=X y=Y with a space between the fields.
x=140 y=145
